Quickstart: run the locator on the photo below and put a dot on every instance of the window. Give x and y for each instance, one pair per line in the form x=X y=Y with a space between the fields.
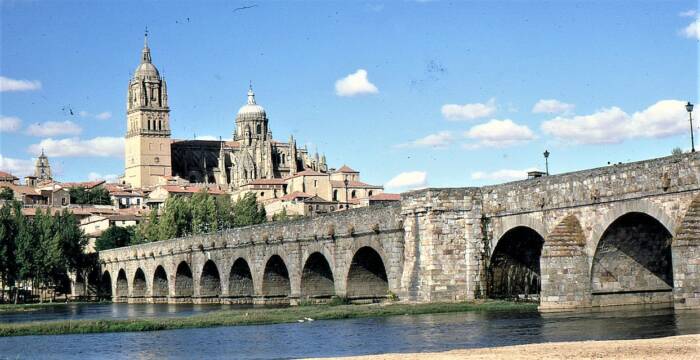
x=353 y=194
x=311 y=208
x=315 y=183
x=258 y=129
x=332 y=208
x=369 y=193
x=335 y=195
x=262 y=193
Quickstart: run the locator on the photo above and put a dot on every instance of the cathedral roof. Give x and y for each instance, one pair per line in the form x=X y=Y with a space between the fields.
x=347 y=170
x=251 y=110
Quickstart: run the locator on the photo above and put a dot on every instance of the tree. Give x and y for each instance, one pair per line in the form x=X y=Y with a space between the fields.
x=246 y=211
x=281 y=216
x=8 y=233
x=113 y=237
x=677 y=151
x=95 y=196
x=204 y=213
x=176 y=219
x=7 y=194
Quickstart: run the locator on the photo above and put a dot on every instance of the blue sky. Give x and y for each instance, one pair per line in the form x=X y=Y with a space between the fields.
x=411 y=93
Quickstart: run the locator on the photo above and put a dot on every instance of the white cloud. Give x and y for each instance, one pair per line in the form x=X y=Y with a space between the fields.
x=110 y=178
x=9 y=124
x=612 y=125
x=206 y=137
x=552 y=106
x=689 y=13
x=438 y=140
x=692 y=31
x=16 y=167
x=498 y=133
x=7 y=84
x=473 y=111
x=355 y=84
x=103 y=115
x=409 y=180
x=75 y=147
x=502 y=175
x=53 y=128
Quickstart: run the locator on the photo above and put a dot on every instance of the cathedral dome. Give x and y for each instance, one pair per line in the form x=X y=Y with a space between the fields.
x=251 y=110
x=146 y=70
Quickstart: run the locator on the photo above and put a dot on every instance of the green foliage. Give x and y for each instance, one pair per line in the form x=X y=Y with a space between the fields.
x=339 y=300
x=246 y=211
x=114 y=237
x=7 y=194
x=176 y=218
x=95 y=196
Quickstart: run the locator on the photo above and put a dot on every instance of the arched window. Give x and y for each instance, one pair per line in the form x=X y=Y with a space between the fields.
x=353 y=194
x=311 y=208
x=283 y=158
x=262 y=193
x=369 y=193
x=335 y=195
x=258 y=129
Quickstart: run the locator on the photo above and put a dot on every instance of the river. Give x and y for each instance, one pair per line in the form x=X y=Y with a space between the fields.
x=419 y=333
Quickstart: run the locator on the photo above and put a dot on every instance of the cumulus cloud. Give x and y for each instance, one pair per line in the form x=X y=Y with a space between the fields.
x=689 y=13
x=9 y=124
x=16 y=167
x=110 y=178
x=502 y=175
x=355 y=84
x=692 y=31
x=75 y=147
x=438 y=140
x=613 y=125
x=7 y=84
x=498 y=133
x=54 y=128
x=472 y=111
x=103 y=115
x=409 y=180
x=552 y=106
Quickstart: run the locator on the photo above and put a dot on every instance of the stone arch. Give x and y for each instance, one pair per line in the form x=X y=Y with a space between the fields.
x=79 y=286
x=183 y=280
x=210 y=281
x=367 y=277
x=317 y=277
x=160 y=283
x=514 y=266
x=275 y=281
x=138 y=284
x=104 y=290
x=564 y=267
x=511 y=222
x=632 y=262
x=122 y=288
x=240 y=283
x=617 y=210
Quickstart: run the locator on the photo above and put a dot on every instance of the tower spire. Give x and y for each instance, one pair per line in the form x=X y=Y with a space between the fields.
x=251 y=94
x=146 y=52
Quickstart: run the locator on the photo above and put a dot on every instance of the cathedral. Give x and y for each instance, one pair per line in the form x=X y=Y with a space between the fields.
x=151 y=154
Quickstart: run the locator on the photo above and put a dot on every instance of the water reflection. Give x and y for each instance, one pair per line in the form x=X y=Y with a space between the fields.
x=422 y=333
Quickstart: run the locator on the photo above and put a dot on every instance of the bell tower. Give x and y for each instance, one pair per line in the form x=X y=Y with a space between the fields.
x=147 y=145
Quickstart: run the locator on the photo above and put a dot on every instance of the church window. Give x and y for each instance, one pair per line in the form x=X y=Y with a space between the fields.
x=159 y=124
x=258 y=129
x=283 y=158
x=315 y=183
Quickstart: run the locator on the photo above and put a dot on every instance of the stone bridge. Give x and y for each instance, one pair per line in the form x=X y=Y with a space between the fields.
x=623 y=234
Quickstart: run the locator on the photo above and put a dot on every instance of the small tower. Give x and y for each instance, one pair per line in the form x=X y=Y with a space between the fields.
x=251 y=121
x=42 y=168
x=147 y=148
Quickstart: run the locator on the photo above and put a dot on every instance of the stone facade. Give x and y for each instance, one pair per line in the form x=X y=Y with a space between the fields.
x=623 y=234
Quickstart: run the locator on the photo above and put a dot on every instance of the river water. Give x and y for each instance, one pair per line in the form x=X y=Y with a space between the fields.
x=419 y=333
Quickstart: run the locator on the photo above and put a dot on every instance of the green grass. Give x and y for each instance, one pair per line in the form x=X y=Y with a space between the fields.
x=253 y=317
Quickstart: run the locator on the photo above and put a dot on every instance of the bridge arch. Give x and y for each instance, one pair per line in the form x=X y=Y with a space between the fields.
x=122 y=285
x=367 y=277
x=240 y=283
x=104 y=289
x=138 y=284
x=183 y=280
x=508 y=223
x=210 y=280
x=514 y=266
x=160 y=283
x=632 y=261
x=275 y=281
x=317 y=277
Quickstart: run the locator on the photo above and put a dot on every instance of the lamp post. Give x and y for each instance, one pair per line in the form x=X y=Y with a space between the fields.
x=347 y=203
x=546 y=162
x=689 y=108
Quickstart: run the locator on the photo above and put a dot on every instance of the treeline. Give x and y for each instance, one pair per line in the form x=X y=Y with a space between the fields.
x=37 y=253
x=97 y=195
x=181 y=216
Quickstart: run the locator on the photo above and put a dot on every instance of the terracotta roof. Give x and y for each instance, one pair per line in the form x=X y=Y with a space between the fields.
x=317 y=199
x=85 y=184
x=6 y=175
x=307 y=173
x=179 y=189
x=22 y=189
x=124 y=217
x=295 y=195
x=347 y=170
x=353 y=184
x=385 y=197
x=277 y=181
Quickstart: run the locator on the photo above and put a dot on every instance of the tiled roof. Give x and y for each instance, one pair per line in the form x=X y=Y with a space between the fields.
x=85 y=184
x=295 y=195
x=347 y=170
x=385 y=197
x=307 y=173
x=22 y=189
x=179 y=189
x=6 y=175
x=353 y=184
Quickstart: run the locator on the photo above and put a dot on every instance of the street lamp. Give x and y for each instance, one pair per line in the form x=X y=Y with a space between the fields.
x=347 y=202
x=546 y=162
x=689 y=108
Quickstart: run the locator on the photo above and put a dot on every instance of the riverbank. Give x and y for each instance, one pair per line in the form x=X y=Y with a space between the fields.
x=12 y=308
x=255 y=317
x=667 y=348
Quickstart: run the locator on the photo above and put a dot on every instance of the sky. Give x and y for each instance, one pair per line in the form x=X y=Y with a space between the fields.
x=411 y=93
